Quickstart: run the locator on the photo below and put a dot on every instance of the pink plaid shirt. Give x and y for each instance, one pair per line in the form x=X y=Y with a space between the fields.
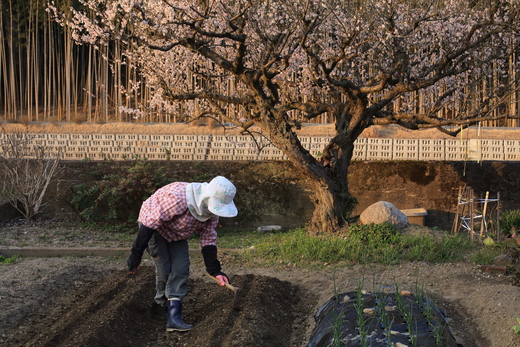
x=167 y=212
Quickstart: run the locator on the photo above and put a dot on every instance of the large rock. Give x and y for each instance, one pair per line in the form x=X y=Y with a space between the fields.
x=384 y=211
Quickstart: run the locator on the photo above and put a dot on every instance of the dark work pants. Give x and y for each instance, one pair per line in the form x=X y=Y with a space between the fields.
x=172 y=268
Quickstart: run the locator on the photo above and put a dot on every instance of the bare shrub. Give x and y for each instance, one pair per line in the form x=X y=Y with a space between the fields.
x=26 y=170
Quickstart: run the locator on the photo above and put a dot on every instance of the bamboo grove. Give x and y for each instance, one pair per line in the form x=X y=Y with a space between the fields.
x=46 y=77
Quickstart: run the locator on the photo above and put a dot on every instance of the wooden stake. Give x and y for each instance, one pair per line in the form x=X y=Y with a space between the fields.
x=499 y=207
x=465 y=202
x=455 y=228
x=483 y=226
x=471 y=209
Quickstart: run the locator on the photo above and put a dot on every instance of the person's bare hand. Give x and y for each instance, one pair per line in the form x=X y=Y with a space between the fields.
x=223 y=280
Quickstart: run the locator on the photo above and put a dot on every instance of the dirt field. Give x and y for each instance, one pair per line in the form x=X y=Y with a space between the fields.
x=95 y=302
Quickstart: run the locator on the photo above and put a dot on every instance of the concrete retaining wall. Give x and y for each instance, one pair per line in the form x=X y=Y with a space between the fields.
x=217 y=147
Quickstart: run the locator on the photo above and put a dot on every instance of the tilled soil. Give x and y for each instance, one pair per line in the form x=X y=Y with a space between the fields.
x=118 y=311
x=89 y=302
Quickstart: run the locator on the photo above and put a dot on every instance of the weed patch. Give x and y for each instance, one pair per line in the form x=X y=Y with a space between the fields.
x=115 y=193
x=359 y=244
x=11 y=260
x=485 y=255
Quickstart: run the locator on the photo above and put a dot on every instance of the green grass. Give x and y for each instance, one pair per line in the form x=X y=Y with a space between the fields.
x=11 y=260
x=485 y=255
x=434 y=250
x=121 y=237
x=233 y=239
x=380 y=243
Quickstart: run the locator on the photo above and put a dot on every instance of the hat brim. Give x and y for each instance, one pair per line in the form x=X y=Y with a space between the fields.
x=221 y=210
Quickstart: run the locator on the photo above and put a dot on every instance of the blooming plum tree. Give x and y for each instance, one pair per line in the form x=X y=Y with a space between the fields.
x=272 y=64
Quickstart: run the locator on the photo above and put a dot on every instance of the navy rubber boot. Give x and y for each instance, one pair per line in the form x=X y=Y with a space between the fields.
x=174 y=317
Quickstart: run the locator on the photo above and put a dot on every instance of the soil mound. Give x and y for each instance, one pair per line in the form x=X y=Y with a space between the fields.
x=120 y=311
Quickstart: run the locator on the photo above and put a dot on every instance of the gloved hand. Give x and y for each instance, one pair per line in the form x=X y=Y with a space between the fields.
x=134 y=263
x=140 y=243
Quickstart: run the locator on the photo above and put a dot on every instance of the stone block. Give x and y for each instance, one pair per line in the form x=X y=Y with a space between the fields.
x=494 y=269
x=268 y=228
x=415 y=215
x=503 y=260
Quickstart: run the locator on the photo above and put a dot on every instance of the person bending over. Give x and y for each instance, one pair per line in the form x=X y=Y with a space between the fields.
x=168 y=219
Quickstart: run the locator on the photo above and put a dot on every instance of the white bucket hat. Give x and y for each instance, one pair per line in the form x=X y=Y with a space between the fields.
x=221 y=193
x=213 y=198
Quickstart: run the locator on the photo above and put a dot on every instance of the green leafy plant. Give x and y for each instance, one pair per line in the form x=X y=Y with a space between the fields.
x=337 y=321
x=11 y=260
x=509 y=220
x=359 y=305
x=116 y=192
x=337 y=317
x=408 y=317
x=485 y=255
x=419 y=293
x=374 y=233
x=516 y=328
x=407 y=313
x=428 y=309
x=385 y=316
x=385 y=321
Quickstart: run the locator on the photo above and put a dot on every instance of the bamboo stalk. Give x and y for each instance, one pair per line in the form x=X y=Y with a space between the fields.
x=11 y=95
x=50 y=70
x=19 y=98
x=28 y=63
x=88 y=87
x=3 y=62
x=67 y=65
x=35 y=63
x=76 y=79
x=105 y=85
x=46 y=71
x=117 y=81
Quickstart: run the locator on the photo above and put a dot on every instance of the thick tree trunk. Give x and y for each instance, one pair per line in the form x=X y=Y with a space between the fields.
x=332 y=199
x=329 y=210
